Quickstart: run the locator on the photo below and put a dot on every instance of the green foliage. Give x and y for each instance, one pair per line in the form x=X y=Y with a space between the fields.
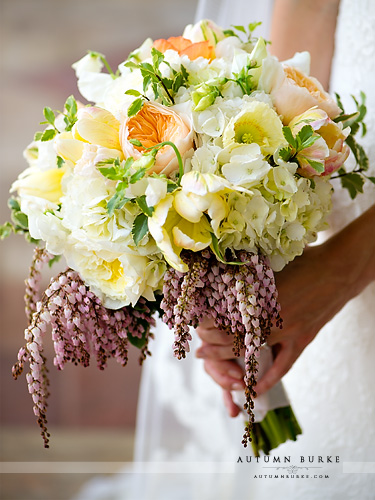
x=60 y=161
x=105 y=62
x=163 y=88
x=70 y=117
x=19 y=222
x=54 y=260
x=219 y=254
x=5 y=230
x=248 y=31
x=140 y=228
x=139 y=342
x=353 y=181
x=244 y=79
x=141 y=202
x=304 y=139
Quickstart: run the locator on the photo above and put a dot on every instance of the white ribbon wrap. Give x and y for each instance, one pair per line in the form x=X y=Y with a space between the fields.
x=274 y=398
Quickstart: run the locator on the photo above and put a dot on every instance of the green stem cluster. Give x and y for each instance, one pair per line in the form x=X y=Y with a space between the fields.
x=278 y=426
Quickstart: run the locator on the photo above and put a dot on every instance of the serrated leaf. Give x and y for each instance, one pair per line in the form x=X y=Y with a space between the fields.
x=110 y=173
x=285 y=153
x=339 y=103
x=141 y=202
x=353 y=183
x=48 y=135
x=117 y=201
x=13 y=204
x=140 y=228
x=5 y=230
x=157 y=57
x=135 y=107
x=289 y=137
x=304 y=134
x=49 y=115
x=138 y=175
x=21 y=220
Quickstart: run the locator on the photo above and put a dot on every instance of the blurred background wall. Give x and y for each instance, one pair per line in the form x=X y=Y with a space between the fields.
x=40 y=39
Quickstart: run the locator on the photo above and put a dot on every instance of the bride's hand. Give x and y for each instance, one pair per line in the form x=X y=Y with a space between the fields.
x=312 y=289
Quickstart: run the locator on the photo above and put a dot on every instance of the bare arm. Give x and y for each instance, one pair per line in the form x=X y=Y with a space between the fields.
x=299 y=25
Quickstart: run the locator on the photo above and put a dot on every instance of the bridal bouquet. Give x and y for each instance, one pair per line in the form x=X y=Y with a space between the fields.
x=202 y=166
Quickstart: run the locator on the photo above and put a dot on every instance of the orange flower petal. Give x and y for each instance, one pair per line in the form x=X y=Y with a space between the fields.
x=199 y=49
x=179 y=43
x=162 y=45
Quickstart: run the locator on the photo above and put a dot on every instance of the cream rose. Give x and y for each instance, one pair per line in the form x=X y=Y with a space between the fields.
x=293 y=92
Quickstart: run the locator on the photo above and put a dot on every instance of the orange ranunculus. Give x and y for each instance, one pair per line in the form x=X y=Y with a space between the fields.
x=152 y=125
x=186 y=47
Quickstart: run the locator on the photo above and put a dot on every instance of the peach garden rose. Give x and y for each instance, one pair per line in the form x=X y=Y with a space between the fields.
x=152 y=125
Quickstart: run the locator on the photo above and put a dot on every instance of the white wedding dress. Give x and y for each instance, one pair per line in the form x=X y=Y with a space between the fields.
x=186 y=445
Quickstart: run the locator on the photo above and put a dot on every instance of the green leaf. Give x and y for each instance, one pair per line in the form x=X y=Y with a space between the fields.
x=71 y=105
x=136 y=142
x=21 y=220
x=358 y=152
x=49 y=115
x=13 y=204
x=132 y=65
x=60 y=161
x=286 y=153
x=48 y=135
x=339 y=103
x=171 y=186
x=141 y=202
x=110 y=173
x=5 y=230
x=135 y=107
x=253 y=26
x=229 y=33
x=136 y=93
x=353 y=183
x=371 y=179
x=139 y=174
x=289 y=137
x=304 y=135
x=38 y=136
x=54 y=260
x=140 y=228
x=239 y=28
x=219 y=255
x=117 y=201
x=157 y=57
x=316 y=165
x=137 y=342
